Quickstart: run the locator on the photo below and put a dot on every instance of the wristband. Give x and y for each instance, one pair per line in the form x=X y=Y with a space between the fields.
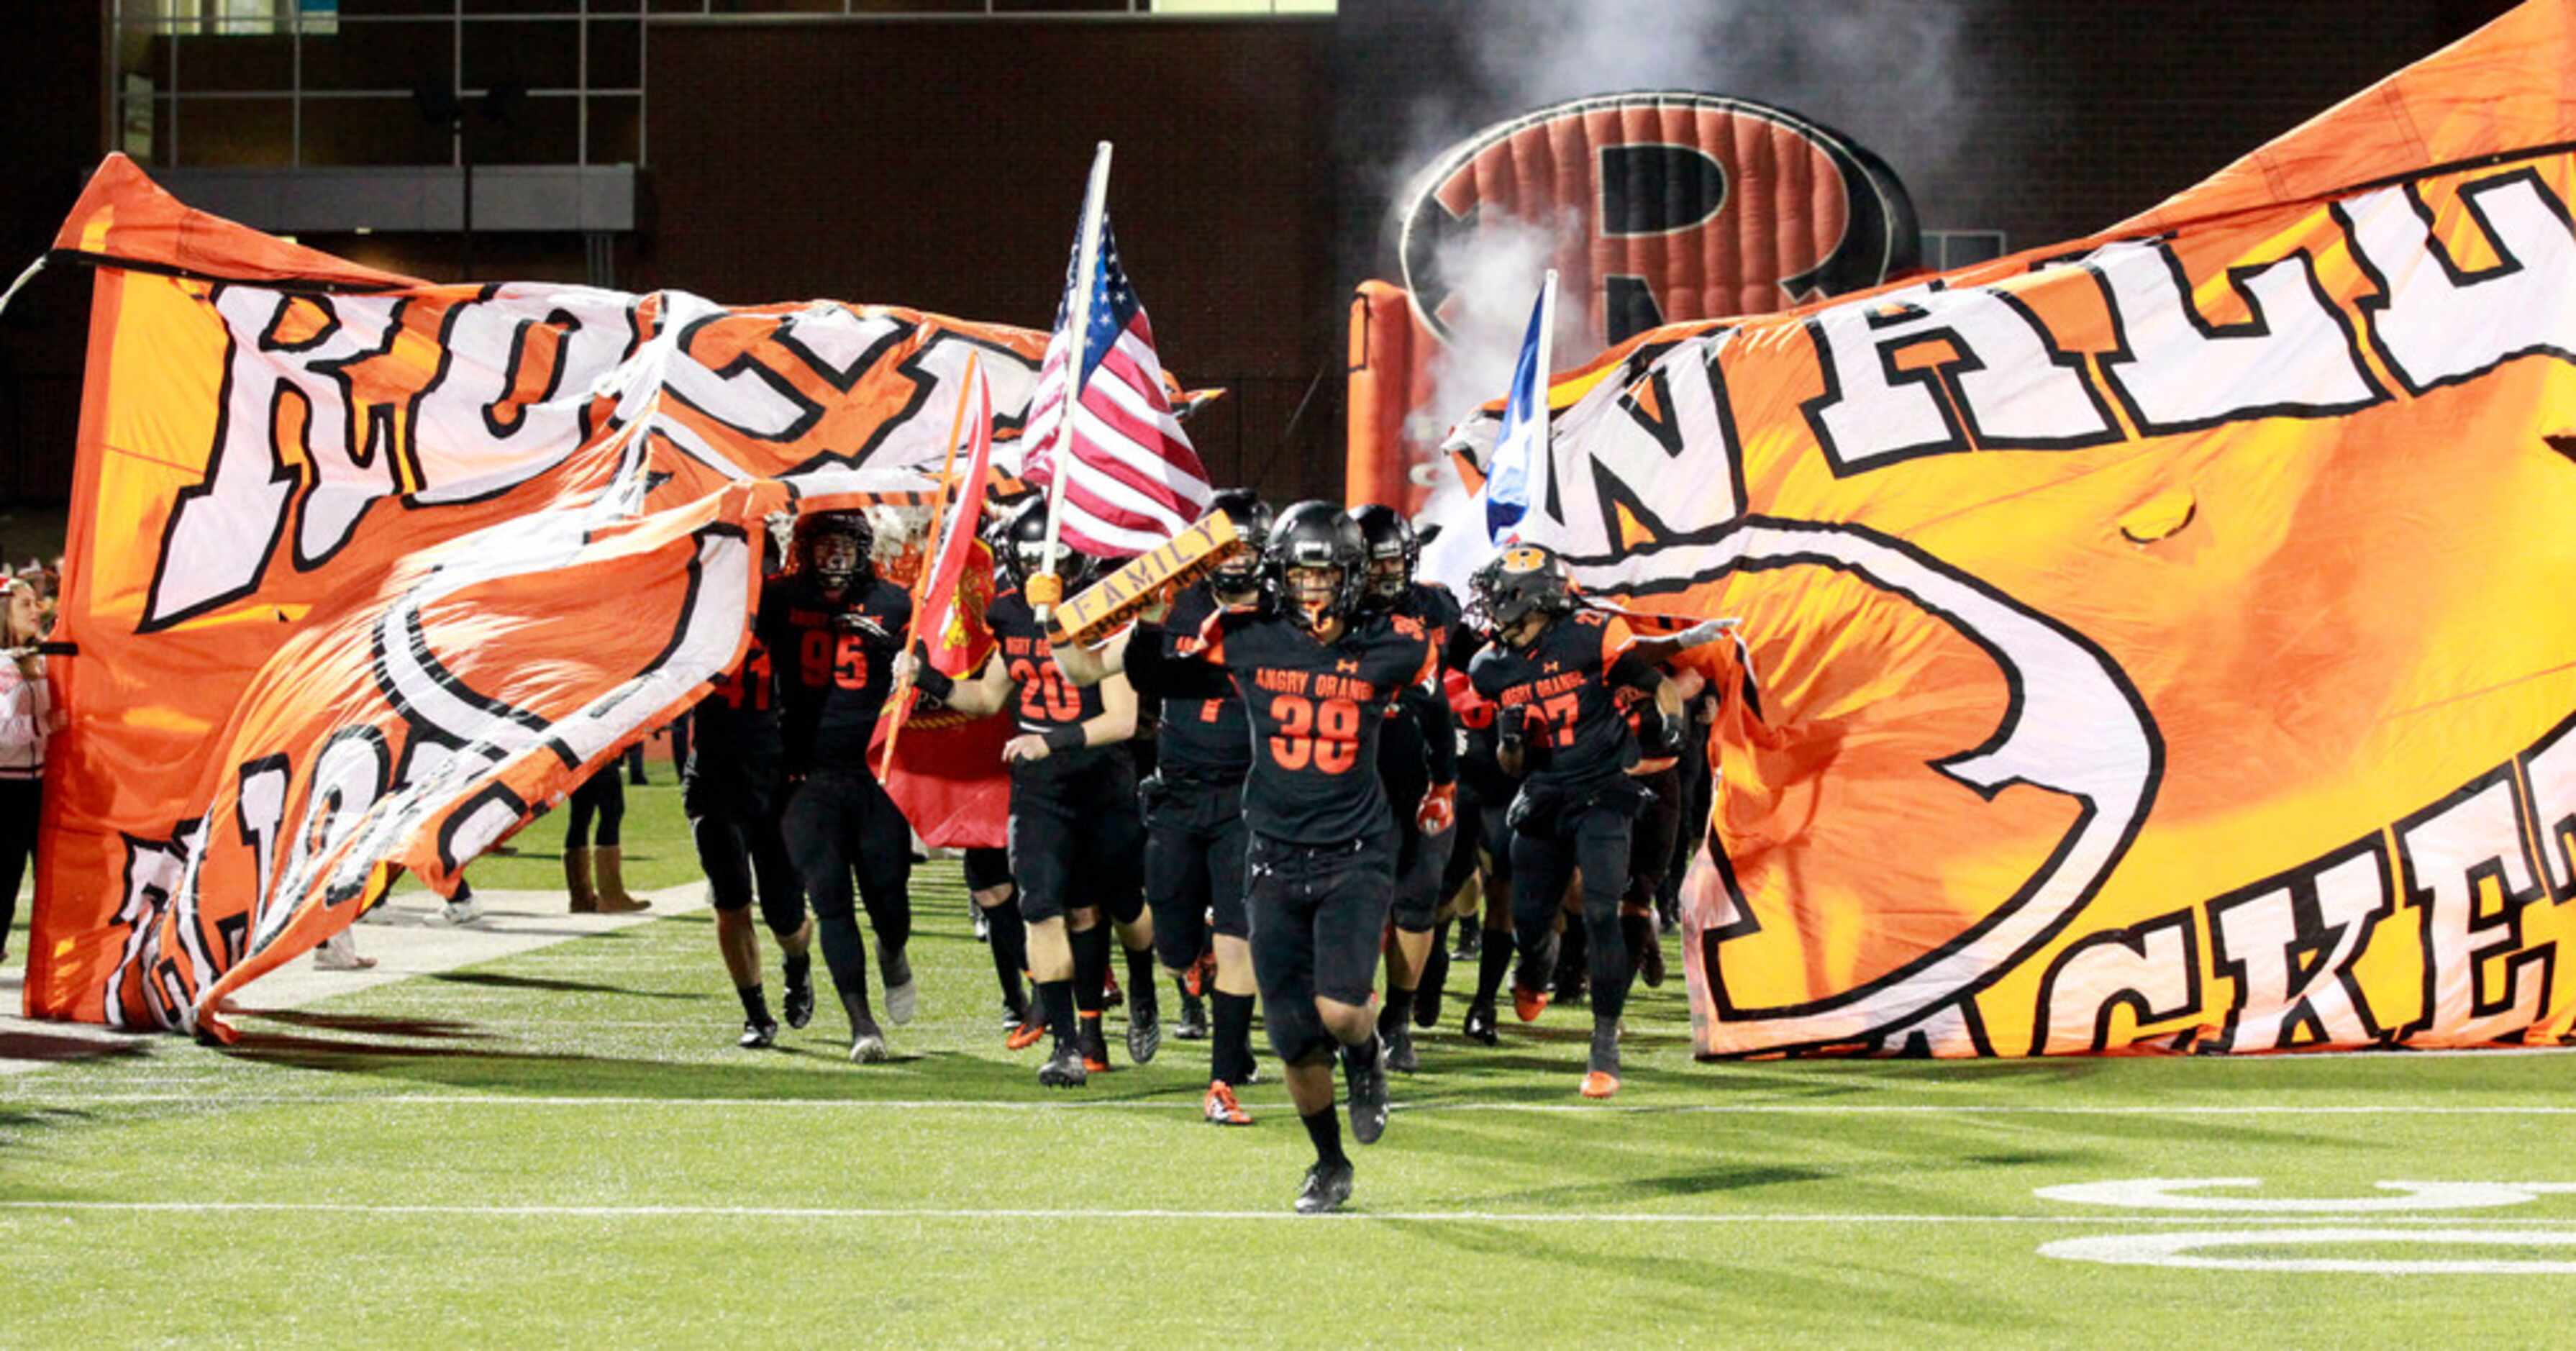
x=933 y=684
x=1068 y=738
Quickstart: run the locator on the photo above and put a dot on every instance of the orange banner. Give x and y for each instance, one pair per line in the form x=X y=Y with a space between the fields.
x=364 y=571
x=2158 y=641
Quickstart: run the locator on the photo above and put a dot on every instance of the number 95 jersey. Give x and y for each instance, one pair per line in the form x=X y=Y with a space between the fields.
x=1315 y=711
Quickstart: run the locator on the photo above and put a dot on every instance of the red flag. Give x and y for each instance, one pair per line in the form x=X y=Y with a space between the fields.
x=943 y=623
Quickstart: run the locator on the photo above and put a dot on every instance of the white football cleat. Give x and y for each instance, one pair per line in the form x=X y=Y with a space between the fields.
x=339 y=952
x=465 y=911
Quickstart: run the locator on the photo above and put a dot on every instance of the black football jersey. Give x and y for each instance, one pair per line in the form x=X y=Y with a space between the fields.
x=1417 y=749
x=832 y=676
x=1202 y=738
x=1562 y=681
x=1315 y=713
x=1047 y=699
x=737 y=723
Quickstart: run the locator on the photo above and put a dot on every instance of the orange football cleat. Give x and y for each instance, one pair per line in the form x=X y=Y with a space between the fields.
x=1600 y=1084
x=1031 y=1027
x=1529 y=1004
x=1220 y=1107
x=1095 y=1045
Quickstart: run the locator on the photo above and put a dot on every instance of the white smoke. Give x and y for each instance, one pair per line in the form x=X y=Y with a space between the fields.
x=1493 y=273
x=1894 y=75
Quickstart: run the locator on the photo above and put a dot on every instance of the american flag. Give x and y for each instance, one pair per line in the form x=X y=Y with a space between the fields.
x=1135 y=481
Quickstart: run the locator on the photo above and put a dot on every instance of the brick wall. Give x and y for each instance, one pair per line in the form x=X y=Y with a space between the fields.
x=941 y=165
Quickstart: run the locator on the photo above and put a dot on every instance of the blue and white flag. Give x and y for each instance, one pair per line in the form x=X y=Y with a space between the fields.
x=1521 y=446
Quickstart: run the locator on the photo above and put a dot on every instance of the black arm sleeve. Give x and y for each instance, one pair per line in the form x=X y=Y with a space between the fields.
x=1463 y=645
x=1439 y=735
x=1153 y=671
x=1635 y=671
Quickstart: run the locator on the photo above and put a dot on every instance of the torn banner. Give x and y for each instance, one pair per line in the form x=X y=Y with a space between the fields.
x=363 y=570
x=2159 y=641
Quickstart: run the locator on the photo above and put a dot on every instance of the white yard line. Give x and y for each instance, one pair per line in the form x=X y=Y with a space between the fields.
x=1030 y=1213
x=31 y=1094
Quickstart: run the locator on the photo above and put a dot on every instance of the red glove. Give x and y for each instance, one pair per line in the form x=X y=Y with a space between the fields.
x=1439 y=809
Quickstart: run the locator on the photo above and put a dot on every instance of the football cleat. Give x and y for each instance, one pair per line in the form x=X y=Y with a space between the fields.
x=1479 y=1026
x=757 y=1033
x=1427 y=997
x=867 y=1045
x=903 y=993
x=1471 y=942
x=1400 y=1055
x=1064 y=1069
x=1111 y=997
x=798 y=1006
x=1528 y=1003
x=1367 y=1086
x=1095 y=1045
x=339 y=952
x=1600 y=1084
x=1220 y=1108
x=1326 y=1187
x=1192 y=1023
x=464 y=911
x=1144 y=1031
x=1026 y=1033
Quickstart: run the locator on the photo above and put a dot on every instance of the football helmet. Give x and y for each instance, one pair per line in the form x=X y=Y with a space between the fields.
x=1315 y=535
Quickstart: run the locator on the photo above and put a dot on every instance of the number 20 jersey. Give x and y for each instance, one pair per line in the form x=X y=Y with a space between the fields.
x=1047 y=699
x=1316 y=712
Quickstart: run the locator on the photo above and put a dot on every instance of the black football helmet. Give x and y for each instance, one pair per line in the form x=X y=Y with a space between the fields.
x=819 y=541
x=1251 y=516
x=1519 y=581
x=1315 y=534
x=1392 y=554
x=1022 y=552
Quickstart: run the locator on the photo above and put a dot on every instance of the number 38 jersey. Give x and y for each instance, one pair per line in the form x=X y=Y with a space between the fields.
x=1047 y=699
x=1315 y=711
x=1561 y=683
x=832 y=674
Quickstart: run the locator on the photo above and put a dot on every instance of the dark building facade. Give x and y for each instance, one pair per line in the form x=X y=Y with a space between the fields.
x=936 y=160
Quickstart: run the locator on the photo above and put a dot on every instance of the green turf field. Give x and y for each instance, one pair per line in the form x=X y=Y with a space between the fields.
x=564 y=1148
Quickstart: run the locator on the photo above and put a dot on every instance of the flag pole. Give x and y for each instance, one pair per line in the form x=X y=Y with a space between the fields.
x=900 y=698
x=1045 y=595
x=1546 y=345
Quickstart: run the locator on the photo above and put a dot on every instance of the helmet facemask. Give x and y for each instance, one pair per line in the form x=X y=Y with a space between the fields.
x=1313 y=595
x=837 y=555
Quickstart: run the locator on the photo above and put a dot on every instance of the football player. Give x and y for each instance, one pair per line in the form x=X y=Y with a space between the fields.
x=1077 y=841
x=1418 y=760
x=832 y=629
x=1553 y=670
x=729 y=788
x=1194 y=831
x=1315 y=673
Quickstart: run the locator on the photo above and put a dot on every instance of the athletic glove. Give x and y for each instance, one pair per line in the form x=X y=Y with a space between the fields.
x=1705 y=631
x=935 y=687
x=1439 y=809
